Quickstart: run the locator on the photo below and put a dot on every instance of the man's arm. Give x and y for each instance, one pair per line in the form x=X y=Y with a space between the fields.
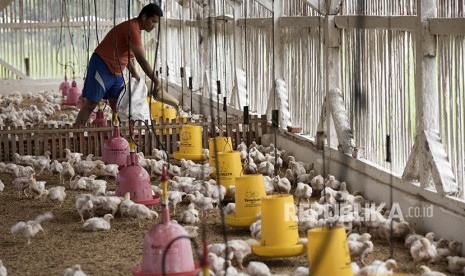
x=132 y=69
x=145 y=65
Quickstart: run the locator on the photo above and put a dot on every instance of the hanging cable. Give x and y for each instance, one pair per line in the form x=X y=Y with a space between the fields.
x=225 y=97
x=213 y=129
x=96 y=26
x=388 y=136
x=153 y=122
x=69 y=63
x=191 y=52
x=218 y=82
x=274 y=116
x=181 y=39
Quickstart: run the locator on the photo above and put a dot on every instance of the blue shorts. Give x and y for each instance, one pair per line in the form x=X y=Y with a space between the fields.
x=100 y=82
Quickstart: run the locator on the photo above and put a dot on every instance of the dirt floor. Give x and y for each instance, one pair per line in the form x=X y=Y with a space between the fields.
x=116 y=251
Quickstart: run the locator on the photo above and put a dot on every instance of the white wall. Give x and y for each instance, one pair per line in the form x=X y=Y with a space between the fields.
x=448 y=214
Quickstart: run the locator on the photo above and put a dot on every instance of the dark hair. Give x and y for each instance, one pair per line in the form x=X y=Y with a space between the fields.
x=150 y=10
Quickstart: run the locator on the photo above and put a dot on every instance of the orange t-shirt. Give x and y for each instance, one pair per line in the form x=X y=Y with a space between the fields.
x=119 y=35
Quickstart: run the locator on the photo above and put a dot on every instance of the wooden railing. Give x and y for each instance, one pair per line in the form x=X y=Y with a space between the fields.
x=91 y=139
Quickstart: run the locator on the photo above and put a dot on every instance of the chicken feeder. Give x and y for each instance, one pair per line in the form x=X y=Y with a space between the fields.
x=191 y=144
x=135 y=180
x=158 y=110
x=249 y=193
x=64 y=87
x=328 y=253
x=116 y=149
x=73 y=94
x=279 y=228
x=222 y=144
x=229 y=167
x=100 y=116
x=167 y=247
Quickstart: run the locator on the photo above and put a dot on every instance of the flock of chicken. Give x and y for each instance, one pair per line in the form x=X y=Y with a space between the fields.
x=318 y=201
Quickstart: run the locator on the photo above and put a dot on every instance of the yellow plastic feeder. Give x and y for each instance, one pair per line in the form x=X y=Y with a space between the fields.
x=279 y=228
x=328 y=253
x=229 y=167
x=222 y=144
x=249 y=193
x=191 y=144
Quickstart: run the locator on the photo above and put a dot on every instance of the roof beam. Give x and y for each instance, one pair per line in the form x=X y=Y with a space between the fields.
x=402 y=23
x=447 y=26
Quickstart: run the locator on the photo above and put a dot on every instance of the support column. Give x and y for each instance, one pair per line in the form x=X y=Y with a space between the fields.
x=428 y=162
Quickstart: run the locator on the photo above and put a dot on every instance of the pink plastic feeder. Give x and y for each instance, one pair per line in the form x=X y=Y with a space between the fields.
x=64 y=87
x=73 y=94
x=116 y=149
x=135 y=180
x=178 y=260
x=100 y=119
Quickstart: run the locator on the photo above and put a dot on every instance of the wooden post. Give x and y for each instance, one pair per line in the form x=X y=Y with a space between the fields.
x=428 y=151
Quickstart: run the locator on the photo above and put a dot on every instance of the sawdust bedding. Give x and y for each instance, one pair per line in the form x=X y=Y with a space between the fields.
x=116 y=251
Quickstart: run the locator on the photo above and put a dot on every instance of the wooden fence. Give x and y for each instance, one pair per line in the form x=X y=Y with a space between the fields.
x=91 y=139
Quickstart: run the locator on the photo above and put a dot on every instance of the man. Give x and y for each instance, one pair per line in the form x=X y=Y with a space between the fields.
x=104 y=74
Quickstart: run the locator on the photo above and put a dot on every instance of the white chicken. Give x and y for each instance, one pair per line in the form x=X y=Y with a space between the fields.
x=452 y=249
x=266 y=168
x=191 y=230
x=79 y=183
x=215 y=263
x=84 y=204
x=98 y=224
x=37 y=188
x=455 y=264
x=201 y=202
x=174 y=197
x=281 y=184
x=57 y=194
x=3 y=271
x=125 y=204
x=422 y=250
x=73 y=157
x=426 y=271
x=191 y=215
x=74 y=271
x=399 y=230
x=140 y=212
x=31 y=228
x=317 y=183
x=256 y=229
x=301 y=271
x=359 y=250
x=22 y=183
x=332 y=182
x=378 y=268
x=258 y=269
x=360 y=238
x=240 y=249
x=56 y=167
x=230 y=208
x=2 y=186
x=67 y=172
x=303 y=192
